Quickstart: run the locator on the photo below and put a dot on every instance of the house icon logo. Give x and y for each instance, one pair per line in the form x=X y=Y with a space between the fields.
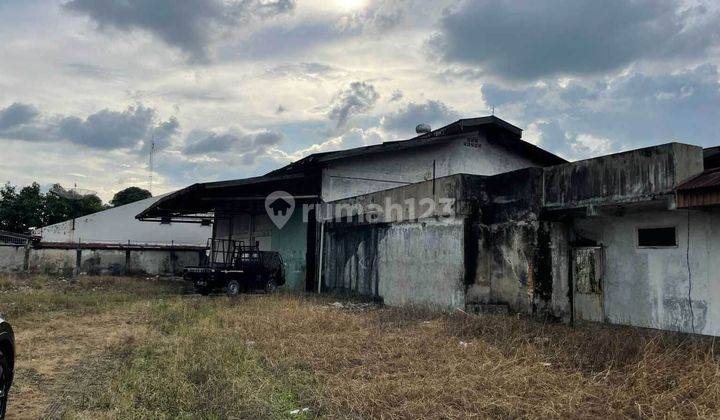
x=279 y=206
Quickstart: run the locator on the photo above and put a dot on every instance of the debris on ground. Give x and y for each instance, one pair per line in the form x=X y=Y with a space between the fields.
x=354 y=306
x=300 y=410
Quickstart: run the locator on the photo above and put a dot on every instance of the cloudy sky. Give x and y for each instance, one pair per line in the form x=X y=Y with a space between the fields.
x=230 y=89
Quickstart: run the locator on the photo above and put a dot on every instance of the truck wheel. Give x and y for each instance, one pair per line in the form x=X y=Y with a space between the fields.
x=232 y=288
x=4 y=383
x=271 y=286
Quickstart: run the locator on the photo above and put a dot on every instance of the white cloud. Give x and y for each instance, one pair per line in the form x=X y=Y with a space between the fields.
x=322 y=77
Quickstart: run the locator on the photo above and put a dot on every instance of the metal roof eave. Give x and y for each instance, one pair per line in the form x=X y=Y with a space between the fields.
x=171 y=205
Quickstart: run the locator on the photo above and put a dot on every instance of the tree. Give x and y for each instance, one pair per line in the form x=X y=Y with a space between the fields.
x=29 y=208
x=129 y=195
x=20 y=211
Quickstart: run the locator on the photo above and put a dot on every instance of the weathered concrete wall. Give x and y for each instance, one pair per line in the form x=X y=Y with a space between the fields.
x=155 y=262
x=490 y=242
x=118 y=225
x=637 y=175
x=12 y=258
x=518 y=259
x=418 y=262
x=522 y=264
x=451 y=195
x=422 y=263
x=504 y=266
x=470 y=153
x=98 y=261
x=671 y=288
x=53 y=261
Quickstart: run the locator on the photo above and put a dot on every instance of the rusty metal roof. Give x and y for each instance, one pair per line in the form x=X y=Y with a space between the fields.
x=707 y=179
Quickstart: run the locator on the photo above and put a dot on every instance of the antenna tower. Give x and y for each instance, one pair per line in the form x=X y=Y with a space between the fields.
x=152 y=163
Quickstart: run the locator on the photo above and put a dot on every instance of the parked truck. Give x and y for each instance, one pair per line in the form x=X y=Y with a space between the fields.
x=233 y=267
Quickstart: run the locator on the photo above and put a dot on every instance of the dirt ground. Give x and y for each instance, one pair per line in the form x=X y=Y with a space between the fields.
x=140 y=348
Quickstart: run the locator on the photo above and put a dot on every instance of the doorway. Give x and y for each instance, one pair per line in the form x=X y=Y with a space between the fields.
x=587 y=277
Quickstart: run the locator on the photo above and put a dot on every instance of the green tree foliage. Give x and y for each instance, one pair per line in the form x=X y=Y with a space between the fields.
x=130 y=195
x=29 y=208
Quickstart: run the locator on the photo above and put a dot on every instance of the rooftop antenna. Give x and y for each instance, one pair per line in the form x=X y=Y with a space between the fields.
x=74 y=193
x=493 y=111
x=152 y=163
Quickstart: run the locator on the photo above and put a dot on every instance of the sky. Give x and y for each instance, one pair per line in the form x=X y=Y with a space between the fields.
x=232 y=89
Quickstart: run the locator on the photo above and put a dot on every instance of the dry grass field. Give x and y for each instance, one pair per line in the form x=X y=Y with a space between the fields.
x=99 y=347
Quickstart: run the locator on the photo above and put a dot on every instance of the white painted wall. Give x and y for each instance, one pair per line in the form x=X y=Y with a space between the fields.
x=366 y=174
x=118 y=225
x=649 y=287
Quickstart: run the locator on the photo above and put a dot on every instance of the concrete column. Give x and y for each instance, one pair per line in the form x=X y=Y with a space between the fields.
x=26 y=259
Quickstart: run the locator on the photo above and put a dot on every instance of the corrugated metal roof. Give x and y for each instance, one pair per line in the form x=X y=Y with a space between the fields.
x=707 y=179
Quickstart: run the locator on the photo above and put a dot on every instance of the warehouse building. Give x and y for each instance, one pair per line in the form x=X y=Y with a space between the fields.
x=629 y=238
x=483 y=146
x=107 y=242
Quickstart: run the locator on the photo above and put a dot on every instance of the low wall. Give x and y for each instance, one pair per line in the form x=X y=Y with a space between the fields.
x=99 y=260
x=12 y=258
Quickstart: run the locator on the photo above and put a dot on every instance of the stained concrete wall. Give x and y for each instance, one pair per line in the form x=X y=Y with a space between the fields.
x=12 y=258
x=491 y=247
x=518 y=259
x=411 y=263
x=118 y=225
x=470 y=153
x=53 y=261
x=673 y=288
x=422 y=263
x=637 y=175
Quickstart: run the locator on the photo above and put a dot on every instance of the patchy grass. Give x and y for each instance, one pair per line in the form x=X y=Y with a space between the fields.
x=33 y=295
x=260 y=356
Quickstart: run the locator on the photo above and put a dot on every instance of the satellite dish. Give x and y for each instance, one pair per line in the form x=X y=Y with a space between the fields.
x=423 y=128
x=72 y=193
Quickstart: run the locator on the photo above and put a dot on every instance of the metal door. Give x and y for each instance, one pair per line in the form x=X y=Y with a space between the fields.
x=587 y=276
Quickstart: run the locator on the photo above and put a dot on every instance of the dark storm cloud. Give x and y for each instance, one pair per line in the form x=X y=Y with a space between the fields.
x=531 y=40
x=108 y=129
x=356 y=99
x=232 y=144
x=163 y=134
x=405 y=119
x=189 y=25
x=105 y=129
x=633 y=110
x=16 y=114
